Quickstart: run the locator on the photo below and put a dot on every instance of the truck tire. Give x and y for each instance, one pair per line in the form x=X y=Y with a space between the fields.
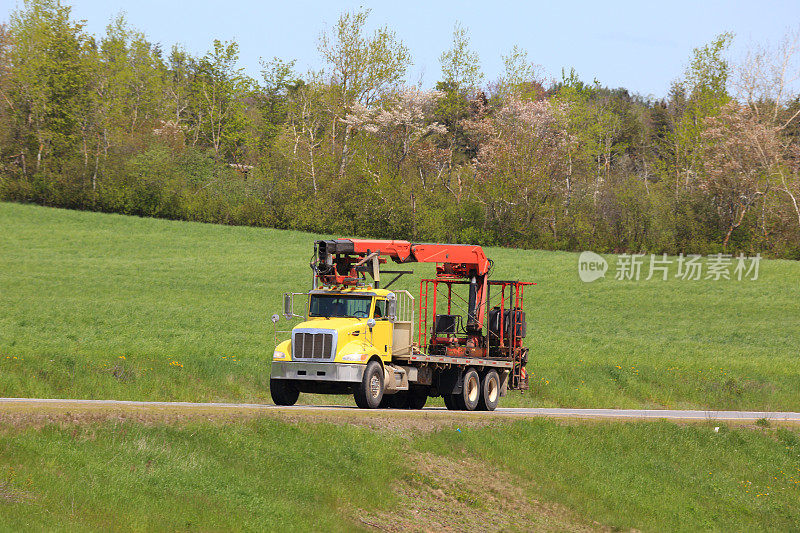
x=413 y=398
x=451 y=402
x=386 y=402
x=417 y=397
x=490 y=391
x=470 y=391
x=398 y=400
x=283 y=391
x=369 y=393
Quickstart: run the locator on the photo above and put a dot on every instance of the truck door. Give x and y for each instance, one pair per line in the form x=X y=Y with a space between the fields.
x=382 y=333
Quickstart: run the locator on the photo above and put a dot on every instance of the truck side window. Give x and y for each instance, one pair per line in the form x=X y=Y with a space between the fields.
x=380 y=309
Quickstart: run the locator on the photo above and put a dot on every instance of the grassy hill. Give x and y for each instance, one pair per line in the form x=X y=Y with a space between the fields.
x=108 y=306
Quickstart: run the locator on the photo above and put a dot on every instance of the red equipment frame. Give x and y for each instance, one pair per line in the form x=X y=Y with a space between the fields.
x=517 y=293
x=508 y=344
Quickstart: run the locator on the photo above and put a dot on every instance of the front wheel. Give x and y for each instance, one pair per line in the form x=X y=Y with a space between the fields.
x=369 y=393
x=283 y=391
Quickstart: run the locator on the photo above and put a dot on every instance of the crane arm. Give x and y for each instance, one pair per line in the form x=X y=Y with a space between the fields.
x=335 y=264
x=471 y=256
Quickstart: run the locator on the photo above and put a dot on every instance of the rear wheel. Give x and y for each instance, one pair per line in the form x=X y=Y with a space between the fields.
x=490 y=391
x=283 y=391
x=470 y=390
x=369 y=393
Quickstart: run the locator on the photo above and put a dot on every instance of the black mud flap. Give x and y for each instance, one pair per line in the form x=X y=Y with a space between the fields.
x=450 y=381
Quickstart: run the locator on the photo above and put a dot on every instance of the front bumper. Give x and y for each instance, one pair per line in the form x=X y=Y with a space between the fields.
x=337 y=372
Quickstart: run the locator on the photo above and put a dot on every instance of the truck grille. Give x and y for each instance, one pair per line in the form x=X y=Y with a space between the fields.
x=312 y=346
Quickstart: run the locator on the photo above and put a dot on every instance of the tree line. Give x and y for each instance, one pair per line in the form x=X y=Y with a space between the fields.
x=116 y=123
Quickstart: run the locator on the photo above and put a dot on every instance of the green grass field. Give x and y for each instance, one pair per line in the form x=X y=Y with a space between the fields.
x=266 y=474
x=108 y=306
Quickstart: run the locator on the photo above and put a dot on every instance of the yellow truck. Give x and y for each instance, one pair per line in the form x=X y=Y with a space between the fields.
x=387 y=348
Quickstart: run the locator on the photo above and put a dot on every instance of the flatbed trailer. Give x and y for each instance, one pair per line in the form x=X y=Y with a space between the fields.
x=458 y=361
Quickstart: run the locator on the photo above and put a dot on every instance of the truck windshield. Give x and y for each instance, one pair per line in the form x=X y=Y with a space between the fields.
x=332 y=305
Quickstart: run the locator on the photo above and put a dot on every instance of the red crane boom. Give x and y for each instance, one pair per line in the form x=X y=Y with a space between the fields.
x=337 y=262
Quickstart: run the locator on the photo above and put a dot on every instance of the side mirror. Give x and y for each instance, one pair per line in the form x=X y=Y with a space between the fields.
x=391 y=307
x=371 y=323
x=288 y=306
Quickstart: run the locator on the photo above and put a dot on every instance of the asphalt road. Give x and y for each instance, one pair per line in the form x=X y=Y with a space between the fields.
x=521 y=412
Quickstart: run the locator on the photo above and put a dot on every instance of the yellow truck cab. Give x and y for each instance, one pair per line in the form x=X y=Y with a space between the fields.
x=345 y=329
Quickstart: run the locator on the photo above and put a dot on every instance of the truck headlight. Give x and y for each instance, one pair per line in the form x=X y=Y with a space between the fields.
x=354 y=357
x=279 y=356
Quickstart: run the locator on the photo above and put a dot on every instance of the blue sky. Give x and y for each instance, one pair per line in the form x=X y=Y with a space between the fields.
x=640 y=45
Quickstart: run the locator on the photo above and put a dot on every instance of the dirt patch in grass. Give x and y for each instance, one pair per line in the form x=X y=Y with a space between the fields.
x=400 y=421
x=11 y=494
x=444 y=494
x=22 y=414
x=39 y=416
